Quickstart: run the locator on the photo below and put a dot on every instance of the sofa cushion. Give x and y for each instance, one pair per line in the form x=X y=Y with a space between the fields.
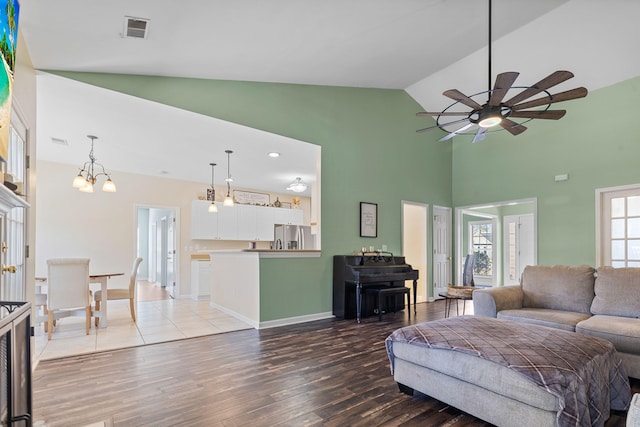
x=623 y=332
x=566 y=320
x=558 y=287
x=617 y=292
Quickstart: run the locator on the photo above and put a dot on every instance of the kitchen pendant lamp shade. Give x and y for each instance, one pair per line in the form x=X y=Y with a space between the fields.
x=89 y=173
x=228 y=200
x=297 y=186
x=212 y=207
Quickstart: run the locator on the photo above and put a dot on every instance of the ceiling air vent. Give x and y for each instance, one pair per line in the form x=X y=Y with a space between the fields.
x=59 y=141
x=136 y=28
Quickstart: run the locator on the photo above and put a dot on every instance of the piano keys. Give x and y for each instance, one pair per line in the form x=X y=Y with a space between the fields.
x=353 y=273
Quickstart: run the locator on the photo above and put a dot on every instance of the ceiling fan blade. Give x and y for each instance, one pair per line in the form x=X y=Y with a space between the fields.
x=501 y=87
x=480 y=135
x=457 y=132
x=543 y=114
x=445 y=124
x=579 y=92
x=460 y=97
x=443 y=113
x=512 y=127
x=544 y=84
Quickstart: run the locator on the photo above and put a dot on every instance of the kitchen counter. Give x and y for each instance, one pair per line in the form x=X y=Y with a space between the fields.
x=235 y=279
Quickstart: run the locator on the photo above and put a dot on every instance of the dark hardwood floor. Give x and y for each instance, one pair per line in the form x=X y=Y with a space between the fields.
x=324 y=373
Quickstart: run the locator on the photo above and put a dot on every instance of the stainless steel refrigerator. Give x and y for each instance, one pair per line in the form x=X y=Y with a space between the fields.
x=293 y=237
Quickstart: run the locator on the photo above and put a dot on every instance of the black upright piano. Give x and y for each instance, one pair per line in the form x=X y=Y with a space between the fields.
x=353 y=273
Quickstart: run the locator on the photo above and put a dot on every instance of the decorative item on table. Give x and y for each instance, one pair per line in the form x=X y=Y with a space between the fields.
x=277 y=203
x=460 y=291
x=296 y=202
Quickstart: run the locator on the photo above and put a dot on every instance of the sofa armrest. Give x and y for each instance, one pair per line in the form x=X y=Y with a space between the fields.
x=488 y=302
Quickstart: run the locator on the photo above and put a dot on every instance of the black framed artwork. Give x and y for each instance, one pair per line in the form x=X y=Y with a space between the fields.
x=368 y=219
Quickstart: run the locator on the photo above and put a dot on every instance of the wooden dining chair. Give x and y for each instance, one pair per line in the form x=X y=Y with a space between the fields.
x=122 y=293
x=67 y=291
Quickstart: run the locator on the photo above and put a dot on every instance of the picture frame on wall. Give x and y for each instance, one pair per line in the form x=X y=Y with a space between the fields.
x=368 y=219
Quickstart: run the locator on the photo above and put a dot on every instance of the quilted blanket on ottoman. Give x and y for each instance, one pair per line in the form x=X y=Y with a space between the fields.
x=583 y=372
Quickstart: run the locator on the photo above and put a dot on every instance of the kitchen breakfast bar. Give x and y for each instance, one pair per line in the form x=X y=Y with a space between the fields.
x=235 y=279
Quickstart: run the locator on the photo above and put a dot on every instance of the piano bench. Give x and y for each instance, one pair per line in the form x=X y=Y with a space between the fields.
x=389 y=291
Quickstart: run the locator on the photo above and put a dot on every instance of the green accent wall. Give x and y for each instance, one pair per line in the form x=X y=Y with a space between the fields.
x=597 y=143
x=370 y=152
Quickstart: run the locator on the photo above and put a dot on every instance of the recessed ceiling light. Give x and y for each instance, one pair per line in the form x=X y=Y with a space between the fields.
x=274 y=154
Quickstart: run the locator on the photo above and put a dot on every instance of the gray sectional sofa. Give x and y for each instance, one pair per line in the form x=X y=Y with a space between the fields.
x=603 y=303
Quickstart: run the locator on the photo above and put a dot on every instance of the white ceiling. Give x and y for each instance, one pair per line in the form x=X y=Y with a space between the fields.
x=421 y=46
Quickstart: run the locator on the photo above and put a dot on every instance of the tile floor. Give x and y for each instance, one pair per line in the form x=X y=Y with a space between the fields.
x=158 y=321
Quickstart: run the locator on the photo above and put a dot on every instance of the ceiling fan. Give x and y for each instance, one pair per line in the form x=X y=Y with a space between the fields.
x=496 y=111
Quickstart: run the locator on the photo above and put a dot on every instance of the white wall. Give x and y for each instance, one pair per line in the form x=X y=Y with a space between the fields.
x=100 y=225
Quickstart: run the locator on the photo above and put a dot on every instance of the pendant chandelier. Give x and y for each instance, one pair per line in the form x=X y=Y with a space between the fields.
x=212 y=207
x=228 y=200
x=86 y=178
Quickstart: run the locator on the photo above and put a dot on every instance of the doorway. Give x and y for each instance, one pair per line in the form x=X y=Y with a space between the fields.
x=414 y=243
x=519 y=246
x=157 y=234
x=441 y=250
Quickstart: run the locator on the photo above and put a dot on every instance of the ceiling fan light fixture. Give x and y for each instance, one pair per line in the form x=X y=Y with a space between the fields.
x=490 y=121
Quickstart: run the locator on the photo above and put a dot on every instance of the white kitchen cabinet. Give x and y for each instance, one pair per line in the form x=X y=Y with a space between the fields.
x=241 y=222
x=227 y=222
x=287 y=216
x=200 y=279
x=213 y=226
x=255 y=223
x=204 y=225
x=246 y=216
x=264 y=225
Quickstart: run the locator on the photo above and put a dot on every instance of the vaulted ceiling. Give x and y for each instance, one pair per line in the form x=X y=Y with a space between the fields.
x=421 y=46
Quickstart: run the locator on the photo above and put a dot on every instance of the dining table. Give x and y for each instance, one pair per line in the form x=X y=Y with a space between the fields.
x=98 y=278
x=102 y=279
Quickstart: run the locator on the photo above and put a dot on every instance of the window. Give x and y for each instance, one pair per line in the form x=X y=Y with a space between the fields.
x=481 y=244
x=619 y=237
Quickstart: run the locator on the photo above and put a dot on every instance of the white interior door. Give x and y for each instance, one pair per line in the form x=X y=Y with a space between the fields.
x=414 y=243
x=441 y=249
x=519 y=246
x=171 y=256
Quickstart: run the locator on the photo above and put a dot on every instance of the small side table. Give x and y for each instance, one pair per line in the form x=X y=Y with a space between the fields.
x=448 y=299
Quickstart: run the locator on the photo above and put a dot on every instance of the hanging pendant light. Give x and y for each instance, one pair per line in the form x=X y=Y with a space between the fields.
x=228 y=200
x=86 y=178
x=212 y=207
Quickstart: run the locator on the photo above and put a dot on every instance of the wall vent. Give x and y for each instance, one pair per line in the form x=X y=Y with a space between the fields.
x=136 y=28
x=59 y=141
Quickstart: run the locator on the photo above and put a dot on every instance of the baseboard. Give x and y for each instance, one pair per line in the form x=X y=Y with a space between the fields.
x=293 y=320
x=250 y=322
x=275 y=323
